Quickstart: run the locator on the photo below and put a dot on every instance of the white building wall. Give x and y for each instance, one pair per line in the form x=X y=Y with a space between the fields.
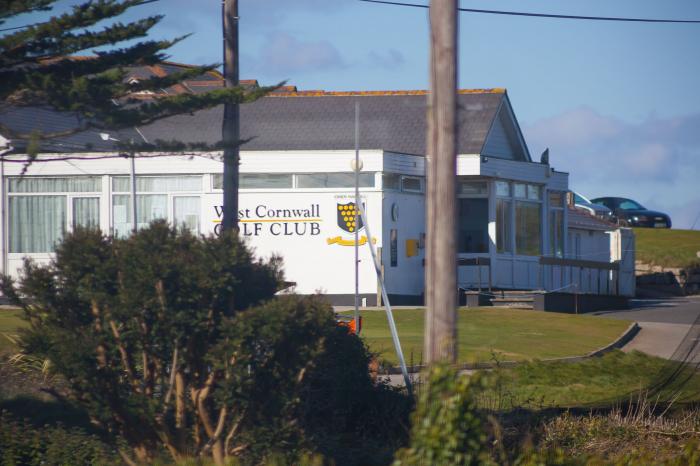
x=407 y=276
x=301 y=225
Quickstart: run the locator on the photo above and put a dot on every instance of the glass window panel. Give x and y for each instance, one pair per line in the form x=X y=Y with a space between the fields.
x=186 y=212
x=520 y=190
x=257 y=181
x=334 y=180
x=86 y=212
x=504 y=232
x=36 y=223
x=473 y=236
x=149 y=207
x=82 y=184
x=534 y=192
x=121 y=184
x=527 y=228
x=411 y=184
x=473 y=188
x=503 y=188
x=556 y=233
x=121 y=215
x=556 y=199
x=264 y=180
x=150 y=184
x=391 y=181
x=217 y=181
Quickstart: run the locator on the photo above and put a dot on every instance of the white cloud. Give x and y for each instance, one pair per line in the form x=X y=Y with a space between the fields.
x=655 y=162
x=283 y=55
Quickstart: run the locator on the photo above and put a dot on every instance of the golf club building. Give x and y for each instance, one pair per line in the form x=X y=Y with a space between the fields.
x=297 y=189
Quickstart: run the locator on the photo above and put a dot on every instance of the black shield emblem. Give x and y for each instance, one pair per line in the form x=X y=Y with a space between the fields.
x=346 y=218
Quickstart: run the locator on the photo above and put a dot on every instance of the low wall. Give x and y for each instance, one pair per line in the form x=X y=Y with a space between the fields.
x=673 y=280
x=573 y=303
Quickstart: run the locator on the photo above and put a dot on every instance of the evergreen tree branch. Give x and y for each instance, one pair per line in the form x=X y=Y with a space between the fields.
x=10 y=8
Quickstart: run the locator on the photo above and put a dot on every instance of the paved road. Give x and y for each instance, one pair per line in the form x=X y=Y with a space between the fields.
x=665 y=323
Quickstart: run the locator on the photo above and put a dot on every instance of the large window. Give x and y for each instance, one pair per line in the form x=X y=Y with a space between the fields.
x=527 y=228
x=473 y=219
x=172 y=198
x=41 y=210
x=518 y=218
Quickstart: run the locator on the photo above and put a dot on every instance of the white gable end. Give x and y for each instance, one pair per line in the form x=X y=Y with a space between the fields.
x=504 y=140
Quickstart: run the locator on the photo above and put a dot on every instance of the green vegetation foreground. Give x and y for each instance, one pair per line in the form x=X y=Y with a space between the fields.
x=507 y=334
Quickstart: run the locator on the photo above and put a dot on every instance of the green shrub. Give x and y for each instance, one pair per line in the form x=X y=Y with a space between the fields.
x=446 y=428
x=21 y=443
x=178 y=344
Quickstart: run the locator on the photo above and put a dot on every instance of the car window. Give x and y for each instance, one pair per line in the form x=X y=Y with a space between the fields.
x=628 y=204
x=579 y=200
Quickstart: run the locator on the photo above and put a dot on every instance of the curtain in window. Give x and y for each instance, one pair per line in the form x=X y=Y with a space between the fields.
x=147 y=184
x=86 y=212
x=30 y=184
x=528 y=228
x=149 y=207
x=121 y=216
x=36 y=223
x=187 y=212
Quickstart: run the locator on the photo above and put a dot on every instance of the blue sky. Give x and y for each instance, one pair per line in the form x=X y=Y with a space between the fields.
x=617 y=103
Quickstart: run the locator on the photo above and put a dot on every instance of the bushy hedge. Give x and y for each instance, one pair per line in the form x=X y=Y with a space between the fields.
x=23 y=444
x=447 y=428
x=178 y=344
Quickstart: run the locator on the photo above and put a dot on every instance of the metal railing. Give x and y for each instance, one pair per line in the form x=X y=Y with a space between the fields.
x=548 y=267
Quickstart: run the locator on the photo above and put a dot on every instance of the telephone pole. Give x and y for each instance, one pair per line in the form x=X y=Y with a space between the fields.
x=441 y=158
x=231 y=128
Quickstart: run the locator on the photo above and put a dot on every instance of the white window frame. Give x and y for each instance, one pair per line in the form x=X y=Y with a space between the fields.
x=170 y=203
x=67 y=195
x=513 y=199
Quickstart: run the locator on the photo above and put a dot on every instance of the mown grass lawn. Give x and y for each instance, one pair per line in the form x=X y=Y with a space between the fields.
x=668 y=248
x=10 y=322
x=616 y=377
x=510 y=334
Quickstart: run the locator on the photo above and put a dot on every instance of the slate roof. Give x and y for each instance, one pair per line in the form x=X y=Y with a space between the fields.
x=582 y=219
x=286 y=120
x=298 y=121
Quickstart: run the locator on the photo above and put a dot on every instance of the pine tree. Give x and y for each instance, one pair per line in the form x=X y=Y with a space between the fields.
x=42 y=65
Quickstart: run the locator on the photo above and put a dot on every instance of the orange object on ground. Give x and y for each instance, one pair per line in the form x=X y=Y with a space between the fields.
x=349 y=322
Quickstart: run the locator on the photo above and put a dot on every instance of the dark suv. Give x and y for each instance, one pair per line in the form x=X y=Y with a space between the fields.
x=631 y=213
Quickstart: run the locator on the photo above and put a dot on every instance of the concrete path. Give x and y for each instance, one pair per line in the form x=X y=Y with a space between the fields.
x=665 y=323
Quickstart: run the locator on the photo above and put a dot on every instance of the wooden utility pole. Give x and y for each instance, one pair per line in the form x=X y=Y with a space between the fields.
x=441 y=249
x=231 y=128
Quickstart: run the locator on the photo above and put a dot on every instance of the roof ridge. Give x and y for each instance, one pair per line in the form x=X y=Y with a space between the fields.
x=495 y=90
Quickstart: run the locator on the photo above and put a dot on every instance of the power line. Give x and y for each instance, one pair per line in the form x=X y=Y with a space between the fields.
x=47 y=22
x=545 y=15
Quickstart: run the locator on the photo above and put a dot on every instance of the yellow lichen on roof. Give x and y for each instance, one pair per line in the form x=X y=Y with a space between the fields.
x=497 y=90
